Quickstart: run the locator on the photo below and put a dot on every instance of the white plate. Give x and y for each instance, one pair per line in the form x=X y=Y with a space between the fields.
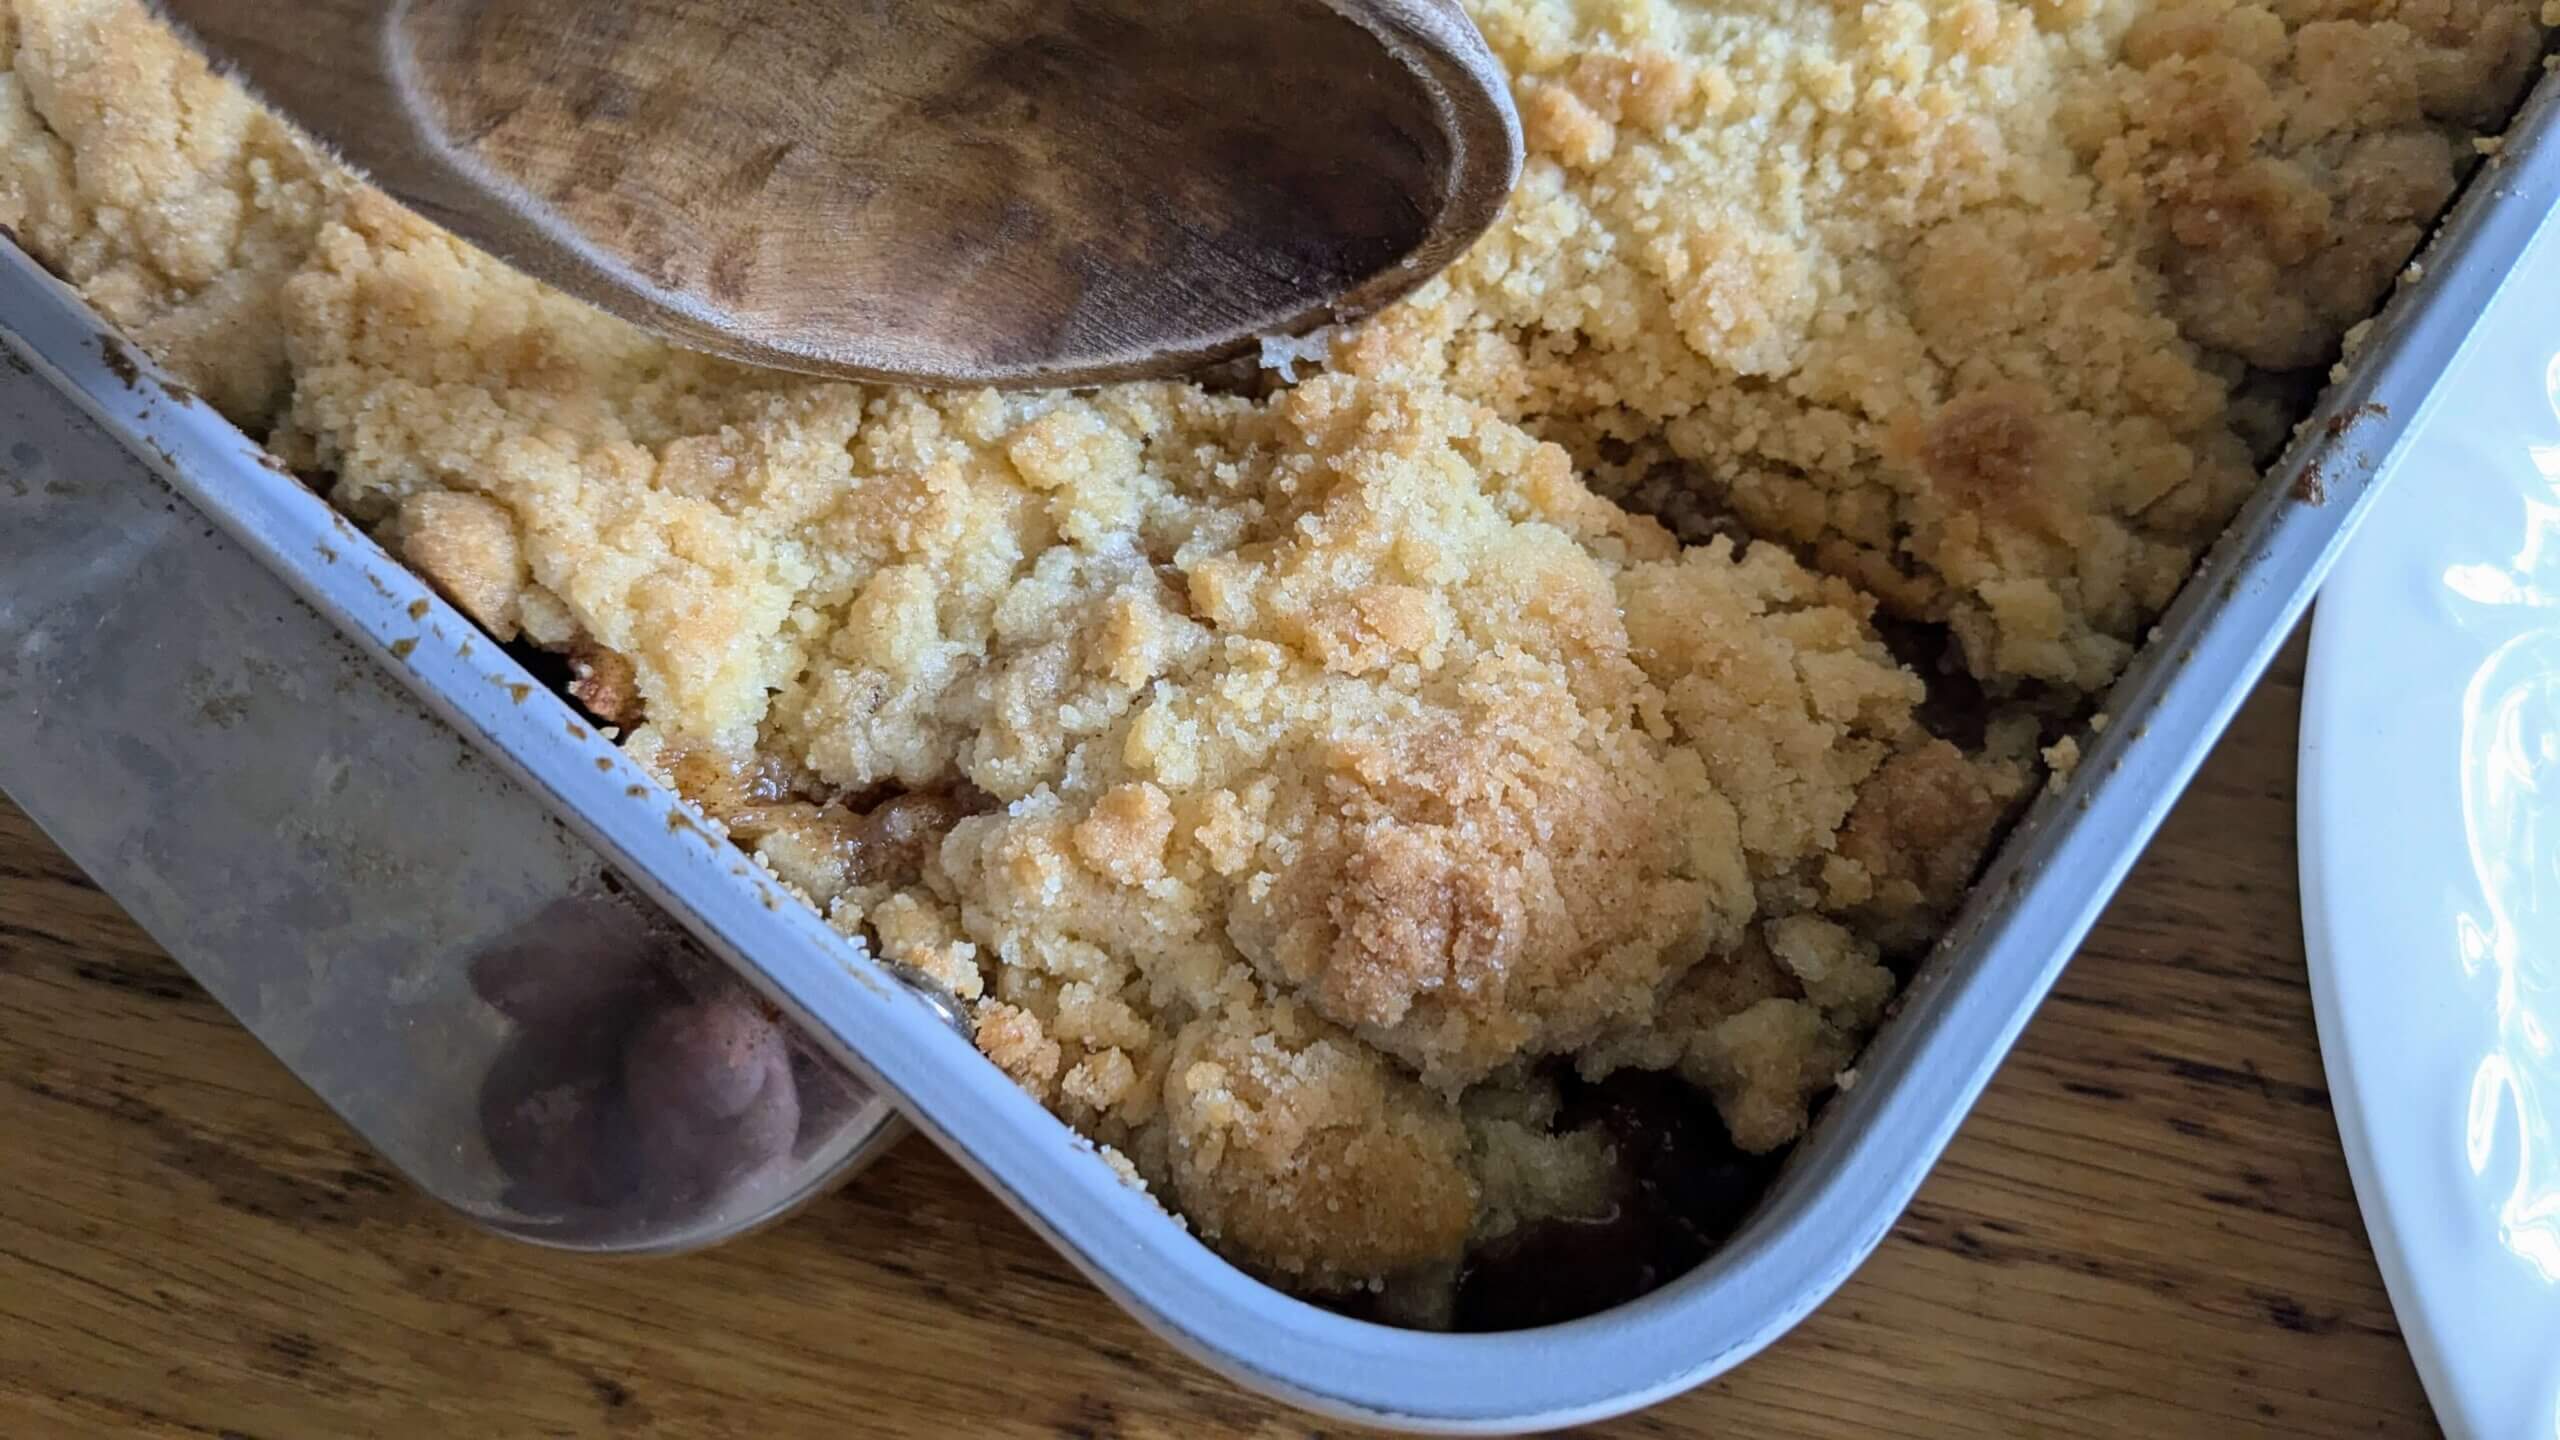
x=2430 y=825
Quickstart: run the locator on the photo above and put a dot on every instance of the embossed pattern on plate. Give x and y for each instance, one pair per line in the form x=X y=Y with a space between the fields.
x=2430 y=795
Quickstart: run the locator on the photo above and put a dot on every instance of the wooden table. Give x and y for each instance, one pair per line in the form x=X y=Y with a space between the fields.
x=2145 y=1230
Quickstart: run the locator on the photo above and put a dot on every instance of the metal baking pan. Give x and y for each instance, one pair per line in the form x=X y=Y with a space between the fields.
x=1845 y=1183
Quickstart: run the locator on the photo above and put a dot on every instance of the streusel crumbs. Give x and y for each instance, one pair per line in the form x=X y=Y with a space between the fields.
x=1298 y=790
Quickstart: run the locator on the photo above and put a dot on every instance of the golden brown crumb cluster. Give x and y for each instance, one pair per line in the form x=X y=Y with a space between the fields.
x=177 y=209
x=1962 y=299
x=1294 y=786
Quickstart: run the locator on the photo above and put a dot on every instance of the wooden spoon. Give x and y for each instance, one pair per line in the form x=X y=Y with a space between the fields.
x=951 y=192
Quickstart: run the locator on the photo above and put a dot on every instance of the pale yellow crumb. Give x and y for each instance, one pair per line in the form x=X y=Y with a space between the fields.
x=2061 y=758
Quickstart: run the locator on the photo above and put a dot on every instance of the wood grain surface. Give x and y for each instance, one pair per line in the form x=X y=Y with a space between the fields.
x=2145 y=1230
x=939 y=191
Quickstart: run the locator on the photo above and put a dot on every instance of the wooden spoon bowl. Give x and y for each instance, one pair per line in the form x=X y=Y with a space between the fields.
x=953 y=192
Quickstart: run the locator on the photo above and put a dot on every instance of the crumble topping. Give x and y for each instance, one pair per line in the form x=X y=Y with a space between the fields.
x=1958 y=299
x=176 y=207
x=1305 y=789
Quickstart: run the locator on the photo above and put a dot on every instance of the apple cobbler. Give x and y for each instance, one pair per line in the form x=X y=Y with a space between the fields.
x=1350 y=796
